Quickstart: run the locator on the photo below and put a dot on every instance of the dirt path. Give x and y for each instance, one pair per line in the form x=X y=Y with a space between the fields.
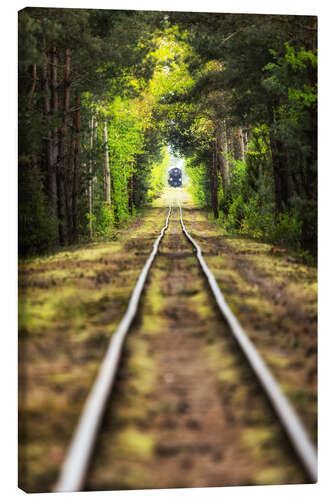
x=186 y=411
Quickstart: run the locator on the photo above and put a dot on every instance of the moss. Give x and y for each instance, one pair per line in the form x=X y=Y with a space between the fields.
x=230 y=376
x=135 y=404
x=278 y=267
x=136 y=478
x=300 y=396
x=142 y=367
x=223 y=363
x=152 y=320
x=297 y=278
x=133 y=442
x=277 y=360
x=199 y=304
x=261 y=441
x=69 y=378
x=36 y=456
x=259 y=303
x=153 y=295
x=270 y=475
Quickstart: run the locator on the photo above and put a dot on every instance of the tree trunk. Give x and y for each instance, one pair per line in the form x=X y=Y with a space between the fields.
x=114 y=202
x=62 y=208
x=214 y=186
x=222 y=160
x=280 y=171
x=51 y=169
x=69 y=182
x=90 y=186
x=34 y=82
x=55 y=147
x=130 y=194
x=245 y=136
x=246 y=139
x=241 y=144
x=54 y=105
x=77 y=129
x=107 y=167
x=68 y=156
x=63 y=155
x=280 y=175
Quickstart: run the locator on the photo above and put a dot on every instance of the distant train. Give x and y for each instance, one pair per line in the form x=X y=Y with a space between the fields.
x=175 y=177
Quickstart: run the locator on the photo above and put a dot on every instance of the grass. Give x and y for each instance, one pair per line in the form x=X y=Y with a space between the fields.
x=70 y=303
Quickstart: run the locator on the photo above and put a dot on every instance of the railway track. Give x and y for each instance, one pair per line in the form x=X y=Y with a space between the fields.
x=74 y=472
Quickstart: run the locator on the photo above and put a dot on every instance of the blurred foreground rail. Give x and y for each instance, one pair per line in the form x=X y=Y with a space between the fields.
x=288 y=417
x=75 y=469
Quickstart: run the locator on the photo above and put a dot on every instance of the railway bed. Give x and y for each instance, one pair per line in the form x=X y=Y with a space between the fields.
x=208 y=423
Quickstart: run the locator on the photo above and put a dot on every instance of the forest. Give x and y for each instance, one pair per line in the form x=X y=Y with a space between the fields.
x=108 y=98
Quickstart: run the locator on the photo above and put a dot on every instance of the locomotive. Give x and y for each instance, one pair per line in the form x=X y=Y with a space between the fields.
x=175 y=177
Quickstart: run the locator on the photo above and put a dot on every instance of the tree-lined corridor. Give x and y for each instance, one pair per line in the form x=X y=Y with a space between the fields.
x=103 y=93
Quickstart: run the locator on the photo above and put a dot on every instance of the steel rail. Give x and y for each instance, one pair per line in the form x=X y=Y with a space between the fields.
x=287 y=415
x=75 y=466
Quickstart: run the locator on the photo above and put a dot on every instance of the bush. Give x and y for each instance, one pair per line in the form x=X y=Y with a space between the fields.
x=287 y=231
x=237 y=212
x=158 y=175
x=103 y=221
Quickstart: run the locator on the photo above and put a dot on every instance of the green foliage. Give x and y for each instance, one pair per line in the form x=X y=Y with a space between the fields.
x=158 y=175
x=126 y=138
x=292 y=78
x=247 y=75
x=237 y=212
x=110 y=65
x=38 y=229
x=199 y=182
x=287 y=231
x=102 y=220
x=250 y=210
